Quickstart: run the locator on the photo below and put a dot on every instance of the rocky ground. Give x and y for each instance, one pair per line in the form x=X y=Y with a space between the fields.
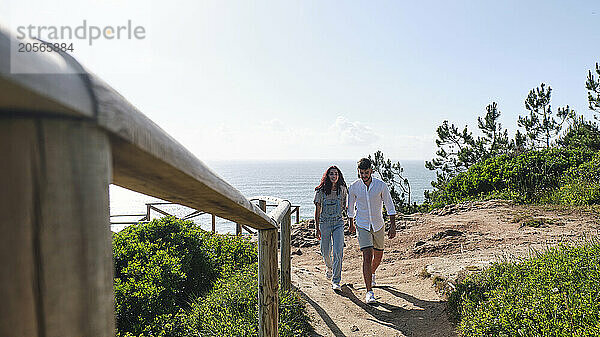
x=440 y=246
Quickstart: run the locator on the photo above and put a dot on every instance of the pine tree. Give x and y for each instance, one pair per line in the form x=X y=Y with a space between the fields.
x=456 y=152
x=519 y=143
x=393 y=175
x=495 y=140
x=540 y=126
x=581 y=134
x=593 y=87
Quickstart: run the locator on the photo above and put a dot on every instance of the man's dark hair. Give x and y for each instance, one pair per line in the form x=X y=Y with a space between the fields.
x=364 y=163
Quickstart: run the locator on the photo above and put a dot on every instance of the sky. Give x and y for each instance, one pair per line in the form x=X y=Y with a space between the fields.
x=282 y=80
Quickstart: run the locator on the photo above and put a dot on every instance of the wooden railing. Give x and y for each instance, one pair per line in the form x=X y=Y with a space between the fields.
x=151 y=206
x=295 y=208
x=65 y=135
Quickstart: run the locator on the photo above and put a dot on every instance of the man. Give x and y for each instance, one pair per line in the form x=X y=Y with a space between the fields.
x=369 y=194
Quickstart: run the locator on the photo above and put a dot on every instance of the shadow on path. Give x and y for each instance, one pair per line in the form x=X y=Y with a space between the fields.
x=326 y=318
x=426 y=319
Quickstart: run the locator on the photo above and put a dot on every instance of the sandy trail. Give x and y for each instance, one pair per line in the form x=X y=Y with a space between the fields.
x=408 y=304
x=457 y=239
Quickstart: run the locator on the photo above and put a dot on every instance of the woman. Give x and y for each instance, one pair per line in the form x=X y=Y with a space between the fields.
x=330 y=201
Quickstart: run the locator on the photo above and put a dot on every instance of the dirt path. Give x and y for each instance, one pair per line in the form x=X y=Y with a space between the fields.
x=408 y=305
x=448 y=244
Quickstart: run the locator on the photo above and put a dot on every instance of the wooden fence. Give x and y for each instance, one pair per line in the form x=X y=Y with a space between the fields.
x=152 y=206
x=65 y=135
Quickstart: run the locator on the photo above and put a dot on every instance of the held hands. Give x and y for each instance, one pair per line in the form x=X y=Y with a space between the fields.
x=392 y=231
x=352 y=227
x=318 y=233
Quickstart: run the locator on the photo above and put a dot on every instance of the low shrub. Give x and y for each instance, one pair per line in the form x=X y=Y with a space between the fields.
x=580 y=185
x=162 y=266
x=527 y=177
x=231 y=309
x=555 y=293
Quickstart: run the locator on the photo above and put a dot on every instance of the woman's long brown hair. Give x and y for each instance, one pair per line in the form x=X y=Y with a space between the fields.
x=326 y=183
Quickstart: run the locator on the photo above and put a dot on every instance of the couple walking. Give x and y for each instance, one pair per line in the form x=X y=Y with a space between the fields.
x=363 y=200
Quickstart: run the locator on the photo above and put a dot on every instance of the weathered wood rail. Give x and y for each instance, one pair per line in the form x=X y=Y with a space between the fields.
x=65 y=135
x=151 y=206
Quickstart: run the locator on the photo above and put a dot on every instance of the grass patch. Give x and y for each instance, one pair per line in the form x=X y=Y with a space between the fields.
x=540 y=222
x=424 y=273
x=554 y=293
x=535 y=223
x=520 y=217
x=441 y=284
x=533 y=220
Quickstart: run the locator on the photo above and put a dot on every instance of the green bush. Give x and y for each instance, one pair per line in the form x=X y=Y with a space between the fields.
x=162 y=266
x=527 y=177
x=581 y=185
x=231 y=309
x=230 y=253
x=555 y=293
x=581 y=135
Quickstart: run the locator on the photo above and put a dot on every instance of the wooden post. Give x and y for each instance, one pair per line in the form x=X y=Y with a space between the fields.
x=262 y=204
x=297 y=214
x=238 y=229
x=148 y=209
x=55 y=243
x=214 y=221
x=285 y=248
x=268 y=300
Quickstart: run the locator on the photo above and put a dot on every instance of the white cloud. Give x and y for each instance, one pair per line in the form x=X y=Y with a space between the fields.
x=411 y=146
x=353 y=133
x=278 y=139
x=274 y=125
x=224 y=130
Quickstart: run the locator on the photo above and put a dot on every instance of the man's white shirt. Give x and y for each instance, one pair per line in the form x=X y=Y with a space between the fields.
x=369 y=203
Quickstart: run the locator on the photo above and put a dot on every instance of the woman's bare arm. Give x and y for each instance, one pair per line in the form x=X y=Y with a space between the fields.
x=317 y=214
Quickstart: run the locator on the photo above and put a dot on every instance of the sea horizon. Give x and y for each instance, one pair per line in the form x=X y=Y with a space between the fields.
x=292 y=179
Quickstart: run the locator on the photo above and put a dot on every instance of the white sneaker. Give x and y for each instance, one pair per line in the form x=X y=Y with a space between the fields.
x=329 y=274
x=370 y=297
x=336 y=286
x=373 y=283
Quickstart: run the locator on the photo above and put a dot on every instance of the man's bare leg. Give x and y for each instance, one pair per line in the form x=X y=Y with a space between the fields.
x=367 y=265
x=377 y=256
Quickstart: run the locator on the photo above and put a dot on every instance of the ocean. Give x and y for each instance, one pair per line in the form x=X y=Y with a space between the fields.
x=291 y=180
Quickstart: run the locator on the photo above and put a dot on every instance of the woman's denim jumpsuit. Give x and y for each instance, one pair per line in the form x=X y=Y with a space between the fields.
x=331 y=225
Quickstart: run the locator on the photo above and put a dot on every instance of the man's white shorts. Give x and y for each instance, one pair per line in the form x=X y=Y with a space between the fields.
x=370 y=239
